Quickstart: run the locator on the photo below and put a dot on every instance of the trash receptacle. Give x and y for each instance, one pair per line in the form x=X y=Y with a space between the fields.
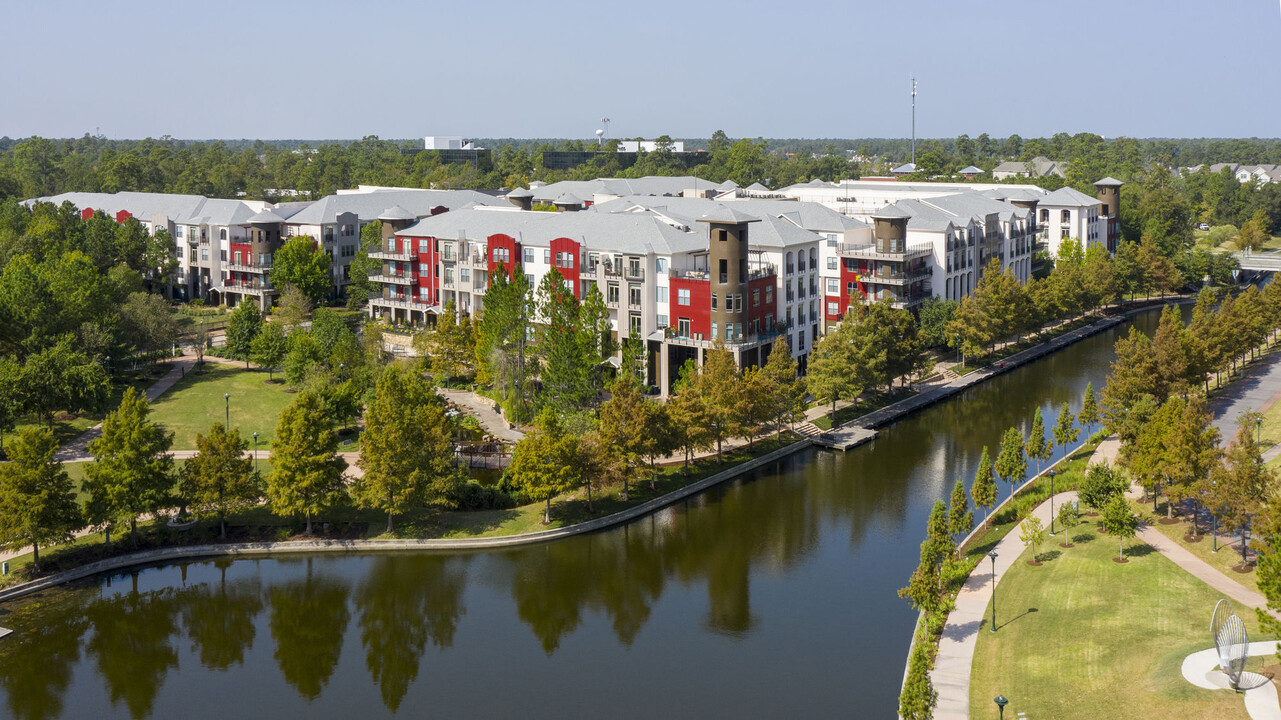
x=4 y=568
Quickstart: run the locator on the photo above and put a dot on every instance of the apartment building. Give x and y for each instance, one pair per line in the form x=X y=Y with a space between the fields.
x=224 y=247
x=1068 y=213
x=682 y=278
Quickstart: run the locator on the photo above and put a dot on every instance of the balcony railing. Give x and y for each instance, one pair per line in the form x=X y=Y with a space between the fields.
x=673 y=336
x=869 y=252
x=691 y=274
x=634 y=273
x=389 y=255
x=761 y=270
x=251 y=287
x=395 y=279
x=408 y=301
x=237 y=267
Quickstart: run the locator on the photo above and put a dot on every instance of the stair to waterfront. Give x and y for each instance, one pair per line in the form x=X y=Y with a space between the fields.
x=808 y=429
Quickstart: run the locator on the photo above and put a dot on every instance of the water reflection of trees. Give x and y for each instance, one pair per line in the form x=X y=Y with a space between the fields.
x=132 y=645
x=404 y=602
x=308 y=621
x=35 y=667
x=220 y=619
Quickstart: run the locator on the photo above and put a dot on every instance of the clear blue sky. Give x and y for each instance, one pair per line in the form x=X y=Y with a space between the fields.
x=321 y=69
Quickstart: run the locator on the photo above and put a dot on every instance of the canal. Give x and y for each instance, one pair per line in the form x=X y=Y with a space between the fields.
x=773 y=595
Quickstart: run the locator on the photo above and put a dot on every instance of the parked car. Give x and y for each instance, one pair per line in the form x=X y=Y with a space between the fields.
x=1203 y=226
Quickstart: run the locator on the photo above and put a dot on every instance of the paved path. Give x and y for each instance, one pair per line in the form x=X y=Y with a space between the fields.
x=482 y=408
x=79 y=447
x=952 y=665
x=1257 y=390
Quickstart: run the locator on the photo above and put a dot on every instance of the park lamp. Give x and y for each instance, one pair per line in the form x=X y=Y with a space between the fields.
x=993 y=556
x=227 y=398
x=1001 y=702
x=1051 y=472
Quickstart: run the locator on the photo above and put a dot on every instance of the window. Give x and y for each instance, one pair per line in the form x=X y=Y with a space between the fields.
x=791 y=267
x=449 y=275
x=682 y=296
x=714 y=301
x=235 y=258
x=769 y=294
x=660 y=265
x=464 y=274
x=177 y=231
x=502 y=255
x=448 y=251
x=222 y=233
x=769 y=322
x=634 y=295
x=800 y=340
x=611 y=293
x=1045 y=215
x=587 y=286
x=682 y=327
x=547 y=256
x=660 y=293
x=1065 y=216
x=529 y=256
x=833 y=309
x=724 y=271
x=424 y=245
x=713 y=331
x=634 y=323
x=831 y=239
x=833 y=286
x=756 y=297
x=662 y=321
x=204 y=253
x=193 y=255
x=832 y=263
x=529 y=279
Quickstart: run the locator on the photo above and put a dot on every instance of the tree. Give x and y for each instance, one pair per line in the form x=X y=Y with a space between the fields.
x=1068 y=516
x=37 y=498
x=406 y=452
x=449 y=349
x=1038 y=448
x=984 y=489
x=10 y=397
x=1191 y=448
x=1242 y=484
x=146 y=323
x=1032 y=534
x=242 y=328
x=132 y=472
x=624 y=420
x=270 y=348
x=62 y=378
x=362 y=266
x=566 y=363
x=1011 y=464
x=959 y=517
x=934 y=315
x=540 y=465
x=1089 y=415
x=301 y=263
x=786 y=397
x=1100 y=485
x=924 y=588
x=1119 y=522
x=1065 y=430
x=1254 y=232
x=720 y=388
x=1134 y=373
x=831 y=373
x=501 y=345
x=307 y=473
x=220 y=479
x=292 y=308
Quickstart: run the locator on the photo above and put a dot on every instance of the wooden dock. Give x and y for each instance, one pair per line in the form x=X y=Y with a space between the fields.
x=845 y=437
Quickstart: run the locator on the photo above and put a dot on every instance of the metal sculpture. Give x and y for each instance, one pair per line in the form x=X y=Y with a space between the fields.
x=1230 y=640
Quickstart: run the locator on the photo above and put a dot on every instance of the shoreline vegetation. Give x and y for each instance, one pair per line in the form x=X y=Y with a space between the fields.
x=347 y=527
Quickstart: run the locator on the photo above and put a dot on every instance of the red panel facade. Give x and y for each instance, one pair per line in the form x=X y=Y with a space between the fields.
x=505 y=250
x=123 y=215
x=852 y=272
x=699 y=309
x=566 y=259
x=86 y=213
x=761 y=303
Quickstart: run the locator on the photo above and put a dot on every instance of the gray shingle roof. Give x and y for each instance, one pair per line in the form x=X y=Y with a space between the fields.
x=367 y=205
x=905 y=168
x=811 y=216
x=620 y=187
x=568 y=199
x=266 y=217
x=519 y=194
x=638 y=234
x=891 y=212
x=720 y=213
x=971 y=170
x=1068 y=197
x=1109 y=182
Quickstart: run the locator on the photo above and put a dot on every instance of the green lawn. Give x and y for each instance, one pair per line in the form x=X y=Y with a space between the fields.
x=71 y=426
x=1085 y=637
x=1228 y=556
x=194 y=404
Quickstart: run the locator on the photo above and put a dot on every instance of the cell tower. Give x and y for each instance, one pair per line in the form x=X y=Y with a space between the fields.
x=914 y=122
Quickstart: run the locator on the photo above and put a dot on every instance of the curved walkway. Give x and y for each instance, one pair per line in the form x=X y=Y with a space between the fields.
x=955 y=658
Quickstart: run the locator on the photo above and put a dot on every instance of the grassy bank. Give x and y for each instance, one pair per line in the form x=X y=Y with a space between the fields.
x=1085 y=637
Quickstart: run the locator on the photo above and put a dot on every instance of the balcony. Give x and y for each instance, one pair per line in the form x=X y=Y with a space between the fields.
x=612 y=304
x=251 y=287
x=634 y=273
x=256 y=269
x=408 y=302
x=868 y=252
x=386 y=255
x=692 y=274
x=761 y=270
x=898 y=278
x=394 y=279
x=743 y=340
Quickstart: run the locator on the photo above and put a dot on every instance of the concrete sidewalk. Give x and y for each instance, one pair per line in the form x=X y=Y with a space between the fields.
x=952 y=665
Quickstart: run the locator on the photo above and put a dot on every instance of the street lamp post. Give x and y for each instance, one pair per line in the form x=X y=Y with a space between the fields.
x=1001 y=702
x=227 y=398
x=255 y=452
x=1214 y=530
x=1051 y=474
x=993 y=556
x=340 y=371
x=1258 y=430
